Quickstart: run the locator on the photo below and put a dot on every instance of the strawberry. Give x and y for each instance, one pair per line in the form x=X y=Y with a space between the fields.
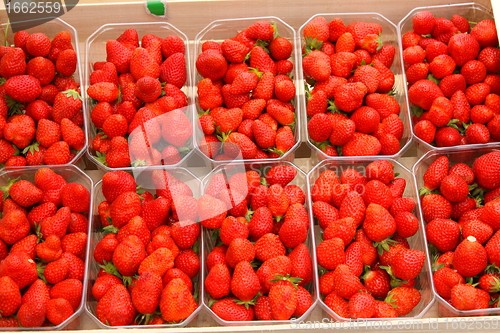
x=173 y=70
x=470 y=257
x=157 y=262
x=211 y=211
x=115 y=307
x=406 y=223
x=38 y=44
x=330 y=253
x=483 y=169
x=128 y=255
x=435 y=206
x=317 y=66
x=176 y=301
x=13 y=63
x=20 y=267
x=211 y=64
x=348 y=97
x=362 y=145
x=283 y=300
x=66 y=105
x=10 y=296
x=244 y=282
x=280 y=48
x=239 y=249
x=337 y=304
x=485 y=33
x=14 y=226
x=361 y=305
x=378 y=224
x=66 y=62
x=228 y=309
x=423 y=92
x=425 y=130
x=146 y=293
x=42 y=69
x=407 y=264
x=218 y=281
x=403 y=299
x=490 y=214
x=70 y=290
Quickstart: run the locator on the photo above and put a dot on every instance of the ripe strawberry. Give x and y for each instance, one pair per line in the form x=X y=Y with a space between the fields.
x=435 y=206
x=337 y=304
x=436 y=172
x=470 y=257
x=483 y=169
x=362 y=145
x=211 y=64
x=283 y=300
x=228 y=309
x=244 y=282
x=348 y=97
x=485 y=33
x=20 y=267
x=403 y=299
x=13 y=63
x=115 y=307
x=66 y=105
x=218 y=281
x=317 y=66
x=361 y=305
x=128 y=255
x=330 y=253
x=10 y=296
x=176 y=302
x=407 y=264
x=146 y=293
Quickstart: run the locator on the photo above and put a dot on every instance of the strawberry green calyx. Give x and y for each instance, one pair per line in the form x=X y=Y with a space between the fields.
x=417 y=110
x=5 y=189
x=73 y=93
x=312 y=44
x=433 y=79
x=390 y=300
x=379 y=41
x=139 y=163
x=32 y=148
x=249 y=214
x=2 y=80
x=40 y=269
x=276 y=151
x=14 y=106
x=110 y=229
x=275 y=29
x=294 y=280
x=247 y=303
x=263 y=44
x=101 y=157
x=384 y=245
x=492 y=269
x=426 y=191
x=256 y=71
x=109 y=268
x=144 y=319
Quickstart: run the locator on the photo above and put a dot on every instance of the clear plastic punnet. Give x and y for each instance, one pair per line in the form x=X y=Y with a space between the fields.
x=227 y=171
x=455 y=155
x=473 y=12
x=174 y=181
x=71 y=174
x=389 y=36
x=218 y=152
x=51 y=29
x=417 y=241
x=164 y=138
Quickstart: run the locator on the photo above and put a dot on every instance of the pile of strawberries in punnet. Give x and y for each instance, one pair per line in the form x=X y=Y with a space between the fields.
x=350 y=107
x=148 y=256
x=41 y=115
x=368 y=268
x=140 y=109
x=260 y=267
x=246 y=96
x=453 y=82
x=462 y=231
x=43 y=238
